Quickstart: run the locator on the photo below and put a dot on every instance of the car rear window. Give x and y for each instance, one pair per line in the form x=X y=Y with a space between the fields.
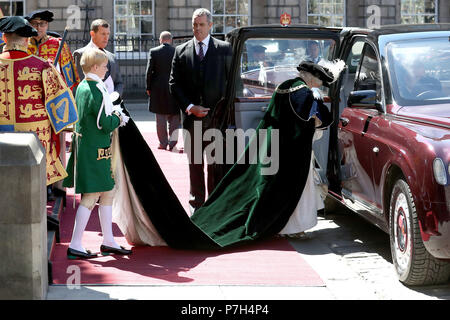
x=265 y=63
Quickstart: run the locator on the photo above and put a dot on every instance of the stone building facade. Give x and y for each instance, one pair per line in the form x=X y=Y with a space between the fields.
x=175 y=15
x=136 y=24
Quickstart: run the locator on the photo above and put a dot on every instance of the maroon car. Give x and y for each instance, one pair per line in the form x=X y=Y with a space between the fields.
x=387 y=154
x=393 y=151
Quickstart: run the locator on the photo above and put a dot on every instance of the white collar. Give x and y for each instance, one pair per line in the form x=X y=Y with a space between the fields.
x=106 y=103
x=204 y=41
x=92 y=44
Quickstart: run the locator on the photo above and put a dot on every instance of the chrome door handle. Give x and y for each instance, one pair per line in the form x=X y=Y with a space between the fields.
x=344 y=121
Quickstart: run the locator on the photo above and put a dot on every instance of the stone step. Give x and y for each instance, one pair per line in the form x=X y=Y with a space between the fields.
x=52 y=235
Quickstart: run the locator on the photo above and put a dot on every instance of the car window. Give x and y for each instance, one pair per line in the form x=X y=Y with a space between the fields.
x=369 y=77
x=420 y=70
x=352 y=62
x=354 y=56
x=265 y=63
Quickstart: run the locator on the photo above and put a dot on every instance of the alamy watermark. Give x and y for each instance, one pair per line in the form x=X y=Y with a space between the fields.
x=73 y=21
x=74 y=280
x=263 y=146
x=374 y=20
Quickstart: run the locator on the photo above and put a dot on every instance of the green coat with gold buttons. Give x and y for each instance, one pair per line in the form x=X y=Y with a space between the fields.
x=93 y=145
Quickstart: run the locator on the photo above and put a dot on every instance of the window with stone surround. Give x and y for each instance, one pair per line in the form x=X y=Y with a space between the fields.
x=12 y=7
x=419 y=11
x=133 y=22
x=328 y=13
x=230 y=14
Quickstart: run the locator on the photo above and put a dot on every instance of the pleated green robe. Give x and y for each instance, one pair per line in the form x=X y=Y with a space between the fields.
x=247 y=204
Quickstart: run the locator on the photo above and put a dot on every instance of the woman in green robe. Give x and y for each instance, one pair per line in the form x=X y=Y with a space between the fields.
x=251 y=202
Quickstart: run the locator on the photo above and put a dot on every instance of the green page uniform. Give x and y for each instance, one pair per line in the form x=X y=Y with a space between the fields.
x=93 y=163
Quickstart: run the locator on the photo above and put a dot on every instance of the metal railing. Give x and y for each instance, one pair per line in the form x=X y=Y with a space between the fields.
x=132 y=54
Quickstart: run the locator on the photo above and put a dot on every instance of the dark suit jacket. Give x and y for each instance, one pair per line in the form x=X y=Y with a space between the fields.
x=183 y=84
x=113 y=68
x=158 y=72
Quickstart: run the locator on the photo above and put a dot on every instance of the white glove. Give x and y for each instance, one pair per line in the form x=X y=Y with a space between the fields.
x=123 y=117
x=317 y=93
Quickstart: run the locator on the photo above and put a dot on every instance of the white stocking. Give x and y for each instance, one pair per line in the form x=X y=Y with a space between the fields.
x=105 y=215
x=81 y=220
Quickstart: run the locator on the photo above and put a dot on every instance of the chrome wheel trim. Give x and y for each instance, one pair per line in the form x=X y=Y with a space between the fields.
x=402 y=232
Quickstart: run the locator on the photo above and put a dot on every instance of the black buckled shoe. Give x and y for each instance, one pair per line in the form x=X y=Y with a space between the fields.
x=105 y=250
x=73 y=254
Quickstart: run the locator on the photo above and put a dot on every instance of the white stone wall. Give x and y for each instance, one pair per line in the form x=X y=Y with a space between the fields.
x=102 y=9
x=389 y=12
x=275 y=8
x=176 y=15
x=180 y=15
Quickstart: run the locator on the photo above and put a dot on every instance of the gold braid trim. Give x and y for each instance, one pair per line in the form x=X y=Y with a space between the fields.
x=15 y=47
x=282 y=91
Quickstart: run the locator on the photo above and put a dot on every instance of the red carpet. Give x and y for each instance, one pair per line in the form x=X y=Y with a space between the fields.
x=270 y=262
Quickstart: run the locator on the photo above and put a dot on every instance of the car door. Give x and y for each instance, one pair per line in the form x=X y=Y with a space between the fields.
x=265 y=57
x=357 y=132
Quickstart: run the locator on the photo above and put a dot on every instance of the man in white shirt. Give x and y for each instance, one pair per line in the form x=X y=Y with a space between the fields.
x=100 y=32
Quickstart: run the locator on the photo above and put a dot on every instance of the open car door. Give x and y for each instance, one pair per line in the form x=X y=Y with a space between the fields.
x=266 y=56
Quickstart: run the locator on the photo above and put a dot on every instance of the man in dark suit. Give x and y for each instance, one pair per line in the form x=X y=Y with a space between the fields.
x=100 y=31
x=198 y=81
x=161 y=101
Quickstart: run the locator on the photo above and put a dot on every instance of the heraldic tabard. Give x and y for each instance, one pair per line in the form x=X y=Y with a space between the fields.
x=48 y=50
x=34 y=97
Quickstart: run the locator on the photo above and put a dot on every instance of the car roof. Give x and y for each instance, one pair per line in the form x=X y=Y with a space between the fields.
x=407 y=31
x=404 y=28
x=375 y=32
x=385 y=29
x=235 y=31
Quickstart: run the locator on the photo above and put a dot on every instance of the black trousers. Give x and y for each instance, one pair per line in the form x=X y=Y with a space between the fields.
x=161 y=128
x=194 y=146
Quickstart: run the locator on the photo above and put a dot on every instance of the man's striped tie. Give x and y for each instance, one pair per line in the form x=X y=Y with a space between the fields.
x=201 y=55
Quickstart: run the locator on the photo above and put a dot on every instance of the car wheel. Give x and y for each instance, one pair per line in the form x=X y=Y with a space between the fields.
x=413 y=263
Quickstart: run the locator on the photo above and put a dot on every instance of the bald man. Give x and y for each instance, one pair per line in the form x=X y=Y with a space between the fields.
x=161 y=101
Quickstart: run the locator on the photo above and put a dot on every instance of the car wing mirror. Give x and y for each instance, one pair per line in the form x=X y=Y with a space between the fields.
x=366 y=99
